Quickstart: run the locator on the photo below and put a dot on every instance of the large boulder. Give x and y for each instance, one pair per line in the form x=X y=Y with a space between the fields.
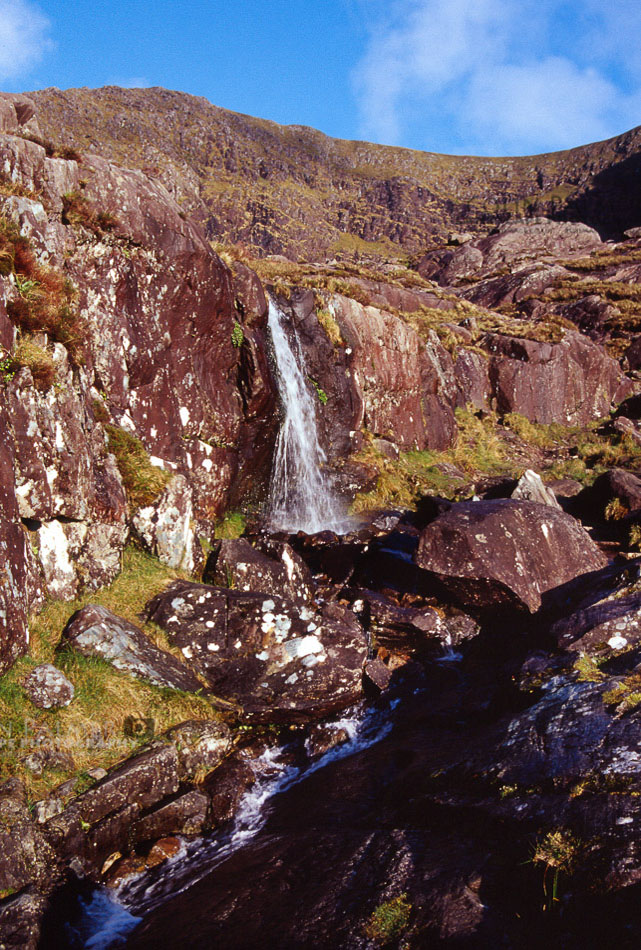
x=276 y=661
x=506 y=553
x=97 y=632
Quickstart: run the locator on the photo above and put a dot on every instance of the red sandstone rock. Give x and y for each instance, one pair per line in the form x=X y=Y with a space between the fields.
x=506 y=554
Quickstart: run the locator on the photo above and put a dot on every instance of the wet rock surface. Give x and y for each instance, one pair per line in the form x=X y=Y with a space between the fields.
x=470 y=818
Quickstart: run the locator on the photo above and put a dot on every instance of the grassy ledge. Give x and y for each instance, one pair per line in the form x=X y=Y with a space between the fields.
x=90 y=732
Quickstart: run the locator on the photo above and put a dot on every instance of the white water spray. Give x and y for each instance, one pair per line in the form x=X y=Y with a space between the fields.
x=301 y=497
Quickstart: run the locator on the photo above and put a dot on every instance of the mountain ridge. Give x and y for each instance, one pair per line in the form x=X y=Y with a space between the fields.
x=296 y=191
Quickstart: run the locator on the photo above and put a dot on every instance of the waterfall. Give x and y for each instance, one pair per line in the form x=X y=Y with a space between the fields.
x=301 y=496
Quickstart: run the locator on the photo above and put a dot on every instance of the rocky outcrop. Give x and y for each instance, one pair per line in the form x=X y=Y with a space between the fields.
x=276 y=661
x=505 y=554
x=570 y=382
x=515 y=243
x=136 y=800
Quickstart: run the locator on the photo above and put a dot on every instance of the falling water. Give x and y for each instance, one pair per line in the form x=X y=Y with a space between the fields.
x=301 y=497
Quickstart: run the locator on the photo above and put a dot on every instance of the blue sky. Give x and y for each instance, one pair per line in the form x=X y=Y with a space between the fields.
x=464 y=76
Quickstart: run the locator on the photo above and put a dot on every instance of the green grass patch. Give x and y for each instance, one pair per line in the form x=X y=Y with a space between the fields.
x=485 y=447
x=231 y=526
x=91 y=730
x=389 y=920
x=330 y=325
x=625 y=695
x=478 y=451
x=587 y=669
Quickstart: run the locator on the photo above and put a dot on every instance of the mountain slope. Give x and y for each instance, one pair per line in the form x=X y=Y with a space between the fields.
x=294 y=190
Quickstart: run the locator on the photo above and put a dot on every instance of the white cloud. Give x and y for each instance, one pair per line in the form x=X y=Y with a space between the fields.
x=23 y=37
x=501 y=76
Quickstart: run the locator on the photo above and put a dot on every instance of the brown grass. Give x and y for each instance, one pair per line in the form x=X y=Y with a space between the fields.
x=45 y=298
x=78 y=211
x=143 y=481
x=28 y=353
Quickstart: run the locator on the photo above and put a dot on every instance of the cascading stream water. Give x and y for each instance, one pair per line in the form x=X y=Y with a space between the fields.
x=301 y=496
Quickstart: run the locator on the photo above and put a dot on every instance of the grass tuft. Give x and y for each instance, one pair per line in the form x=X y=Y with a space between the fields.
x=143 y=482
x=389 y=920
x=231 y=526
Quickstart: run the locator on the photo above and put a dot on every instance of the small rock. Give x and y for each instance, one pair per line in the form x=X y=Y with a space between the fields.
x=324 y=737
x=377 y=674
x=46 y=809
x=162 y=850
x=48 y=688
x=227 y=784
x=530 y=487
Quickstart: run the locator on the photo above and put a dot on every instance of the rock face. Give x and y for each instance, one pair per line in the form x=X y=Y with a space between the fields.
x=276 y=661
x=506 y=554
x=516 y=242
x=570 y=382
x=19 y=583
x=568 y=746
x=95 y=631
x=151 y=352
x=383 y=377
